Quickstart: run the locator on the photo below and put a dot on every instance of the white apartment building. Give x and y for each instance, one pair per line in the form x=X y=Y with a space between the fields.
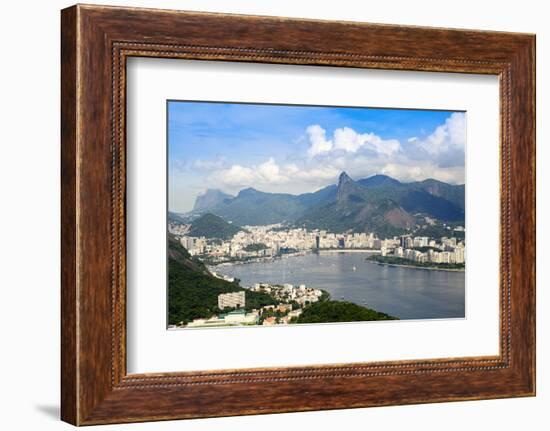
x=420 y=241
x=460 y=255
x=233 y=300
x=194 y=245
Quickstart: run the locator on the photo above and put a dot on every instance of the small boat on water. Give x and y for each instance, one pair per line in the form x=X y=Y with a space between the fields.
x=354 y=268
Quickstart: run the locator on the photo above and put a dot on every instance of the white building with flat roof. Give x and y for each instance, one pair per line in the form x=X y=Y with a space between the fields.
x=240 y=317
x=232 y=300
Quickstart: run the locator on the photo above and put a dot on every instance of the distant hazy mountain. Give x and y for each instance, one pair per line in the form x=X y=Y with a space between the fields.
x=449 y=192
x=379 y=203
x=379 y=181
x=252 y=207
x=319 y=197
x=431 y=197
x=210 y=199
x=212 y=226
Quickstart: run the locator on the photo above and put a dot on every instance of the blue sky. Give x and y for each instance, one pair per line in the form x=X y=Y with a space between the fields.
x=295 y=149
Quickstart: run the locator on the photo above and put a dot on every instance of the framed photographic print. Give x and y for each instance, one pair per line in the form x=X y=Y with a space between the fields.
x=265 y=208
x=295 y=251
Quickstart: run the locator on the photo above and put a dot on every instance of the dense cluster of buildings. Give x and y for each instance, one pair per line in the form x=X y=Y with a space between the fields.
x=288 y=293
x=178 y=228
x=272 y=240
x=195 y=245
x=424 y=249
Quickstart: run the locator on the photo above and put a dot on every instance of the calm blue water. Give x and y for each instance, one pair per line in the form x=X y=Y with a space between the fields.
x=407 y=293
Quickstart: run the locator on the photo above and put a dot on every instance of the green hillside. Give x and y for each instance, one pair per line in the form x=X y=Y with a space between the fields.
x=360 y=209
x=212 y=226
x=340 y=311
x=193 y=291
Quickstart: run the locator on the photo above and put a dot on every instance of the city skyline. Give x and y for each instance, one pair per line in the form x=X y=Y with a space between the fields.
x=299 y=149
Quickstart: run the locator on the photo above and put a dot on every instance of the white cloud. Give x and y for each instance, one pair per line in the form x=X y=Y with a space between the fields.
x=265 y=174
x=271 y=173
x=440 y=155
x=348 y=140
x=317 y=173
x=409 y=172
x=236 y=175
x=311 y=175
x=447 y=137
x=271 y=176
x=318 y=141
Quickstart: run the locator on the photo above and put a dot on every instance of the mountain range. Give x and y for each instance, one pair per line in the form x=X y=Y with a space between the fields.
x=379 y=204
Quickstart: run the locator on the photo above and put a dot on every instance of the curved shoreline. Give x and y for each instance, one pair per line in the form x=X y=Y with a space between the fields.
x=331 y=251
x=260 y=259
x=428 y=268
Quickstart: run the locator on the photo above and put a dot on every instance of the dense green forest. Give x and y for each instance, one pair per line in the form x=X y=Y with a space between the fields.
x=193 y=291
x=339 y=311
x=212 y=226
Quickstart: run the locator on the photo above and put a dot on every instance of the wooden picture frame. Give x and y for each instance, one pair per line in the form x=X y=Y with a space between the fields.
x=95 y=43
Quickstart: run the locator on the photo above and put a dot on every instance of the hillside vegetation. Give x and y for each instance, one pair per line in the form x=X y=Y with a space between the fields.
x=340 y=311
x=193 y=291
x=212 y=226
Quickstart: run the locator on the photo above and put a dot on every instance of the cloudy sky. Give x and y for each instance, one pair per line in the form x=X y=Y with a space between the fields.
x=297 y=149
